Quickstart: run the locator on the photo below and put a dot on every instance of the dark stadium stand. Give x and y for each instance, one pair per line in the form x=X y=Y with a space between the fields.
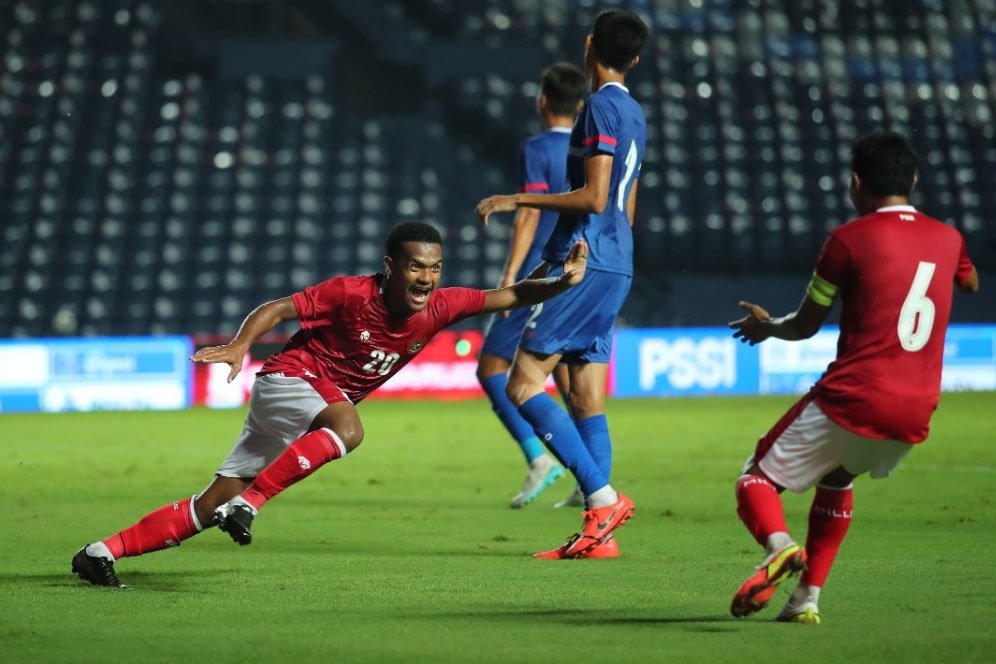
x=166 y=166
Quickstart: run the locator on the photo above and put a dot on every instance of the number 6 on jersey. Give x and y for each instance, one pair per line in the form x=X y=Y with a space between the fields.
x=916 y=318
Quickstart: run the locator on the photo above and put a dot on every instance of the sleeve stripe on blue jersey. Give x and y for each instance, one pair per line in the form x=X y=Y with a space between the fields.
x=608 y=140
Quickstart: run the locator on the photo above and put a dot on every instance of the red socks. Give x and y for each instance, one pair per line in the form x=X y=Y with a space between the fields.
x=303 y=457
x=166 y=527
x=173 y=523
x=760 y=507
x=829 y=518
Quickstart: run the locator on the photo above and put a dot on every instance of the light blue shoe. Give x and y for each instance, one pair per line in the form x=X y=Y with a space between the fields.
x=576 y=499
x=543 y=472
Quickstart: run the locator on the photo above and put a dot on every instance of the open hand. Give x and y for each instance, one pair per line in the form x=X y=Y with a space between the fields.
x=493 y=204
x=575 y=263
x=751 y=329
x=228 y=354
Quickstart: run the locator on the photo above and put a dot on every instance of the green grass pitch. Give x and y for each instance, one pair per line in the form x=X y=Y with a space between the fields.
x=406 y=550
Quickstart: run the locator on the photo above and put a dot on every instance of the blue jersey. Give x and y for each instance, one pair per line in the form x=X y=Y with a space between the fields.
x=543 y=170
x=611 y=122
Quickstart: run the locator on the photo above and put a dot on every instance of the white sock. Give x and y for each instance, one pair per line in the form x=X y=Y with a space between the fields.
x=803 y=594
x=193 y=514
x=239 y=500
x=99 y=550
x=777 y=541
x=603 y=497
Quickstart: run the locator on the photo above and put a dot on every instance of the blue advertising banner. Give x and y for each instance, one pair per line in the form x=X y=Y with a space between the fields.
x=136 y=373
x=706 y=361
x=682 y=361
x=969 y=358
x=106 y=373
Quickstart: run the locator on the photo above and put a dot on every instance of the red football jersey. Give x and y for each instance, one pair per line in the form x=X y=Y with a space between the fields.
x=347 y=336
x=895 y=271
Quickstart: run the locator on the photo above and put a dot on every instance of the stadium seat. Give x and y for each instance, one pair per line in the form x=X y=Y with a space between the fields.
x=144 y=188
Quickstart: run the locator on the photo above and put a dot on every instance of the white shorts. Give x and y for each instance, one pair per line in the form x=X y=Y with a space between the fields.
x=281 y=410
x=805 y=445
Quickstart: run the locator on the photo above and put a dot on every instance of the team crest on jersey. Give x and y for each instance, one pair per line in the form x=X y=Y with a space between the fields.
x=416 y=346
x=364 y=335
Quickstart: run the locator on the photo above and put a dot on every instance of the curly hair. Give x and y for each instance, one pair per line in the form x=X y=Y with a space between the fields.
x=410 y=231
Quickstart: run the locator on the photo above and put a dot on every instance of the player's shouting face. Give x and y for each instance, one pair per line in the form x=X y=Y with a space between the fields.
x=412 y=275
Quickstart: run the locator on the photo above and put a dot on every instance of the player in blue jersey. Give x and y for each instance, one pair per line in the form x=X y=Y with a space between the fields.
x=542 y=169
x=604 y=158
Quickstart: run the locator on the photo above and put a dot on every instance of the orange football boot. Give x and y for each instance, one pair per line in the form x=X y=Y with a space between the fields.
x=607 y=549
x=756 y=591
x=598 y=523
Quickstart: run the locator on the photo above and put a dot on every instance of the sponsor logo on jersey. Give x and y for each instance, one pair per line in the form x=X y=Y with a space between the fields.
x=364 y=335
x=304 y=463
x=416 y=346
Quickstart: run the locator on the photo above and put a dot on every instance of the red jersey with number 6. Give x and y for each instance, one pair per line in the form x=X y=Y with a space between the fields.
x=348 y=337
x=895 y=270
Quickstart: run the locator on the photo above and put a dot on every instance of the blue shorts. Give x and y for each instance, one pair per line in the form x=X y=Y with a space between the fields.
x=578 y=324
x=502 y=338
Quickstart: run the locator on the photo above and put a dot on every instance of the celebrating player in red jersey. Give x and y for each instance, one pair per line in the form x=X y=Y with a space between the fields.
x=356 y=332
x=893 y=269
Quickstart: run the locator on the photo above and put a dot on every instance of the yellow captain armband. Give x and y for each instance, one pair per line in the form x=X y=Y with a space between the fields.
x=821 y=291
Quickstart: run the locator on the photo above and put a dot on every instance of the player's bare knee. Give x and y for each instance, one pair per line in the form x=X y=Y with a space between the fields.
x=351 y=435
x=342 y=419
x=519 y=392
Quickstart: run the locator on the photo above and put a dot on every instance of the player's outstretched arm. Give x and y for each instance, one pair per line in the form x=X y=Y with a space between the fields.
x=261 y=320
x=531 y=291
x=523 y=233
x=758 y=324
x=591 y=198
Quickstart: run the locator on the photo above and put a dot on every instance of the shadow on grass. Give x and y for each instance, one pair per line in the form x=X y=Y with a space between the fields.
x=299 y=547
x=159 y=581
x=584 y=617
